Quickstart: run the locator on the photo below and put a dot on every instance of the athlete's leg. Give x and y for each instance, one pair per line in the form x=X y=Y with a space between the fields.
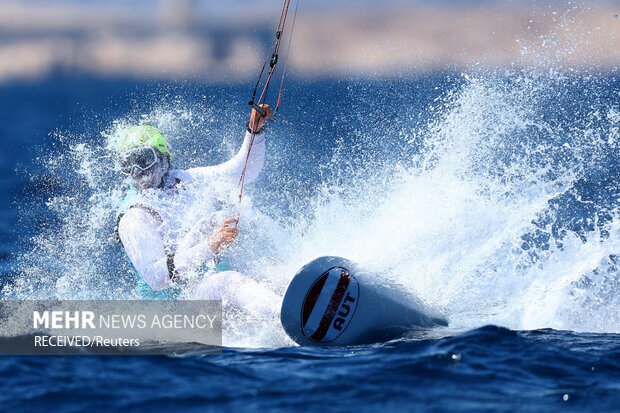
x=239 y=291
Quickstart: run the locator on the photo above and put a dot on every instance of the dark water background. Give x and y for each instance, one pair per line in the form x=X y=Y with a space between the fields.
x=485 y=369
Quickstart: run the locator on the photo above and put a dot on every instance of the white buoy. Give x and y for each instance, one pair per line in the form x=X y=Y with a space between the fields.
x=331 y=301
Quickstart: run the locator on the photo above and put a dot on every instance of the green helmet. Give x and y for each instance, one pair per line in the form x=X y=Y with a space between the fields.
x=144 y=135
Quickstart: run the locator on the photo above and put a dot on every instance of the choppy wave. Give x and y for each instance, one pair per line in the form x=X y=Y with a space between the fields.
x=486 y=369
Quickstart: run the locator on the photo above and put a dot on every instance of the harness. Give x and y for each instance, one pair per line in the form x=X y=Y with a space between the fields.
x=130 y=201
x=143 y=289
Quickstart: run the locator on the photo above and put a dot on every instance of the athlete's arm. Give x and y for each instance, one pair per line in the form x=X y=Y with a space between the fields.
x=233 y=168
x=139 y=234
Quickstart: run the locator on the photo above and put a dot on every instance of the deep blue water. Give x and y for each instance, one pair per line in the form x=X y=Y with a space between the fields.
x=487 y=369
x=484 y=369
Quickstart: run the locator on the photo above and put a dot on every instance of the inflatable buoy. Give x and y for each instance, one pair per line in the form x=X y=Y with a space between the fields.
x=331 y=301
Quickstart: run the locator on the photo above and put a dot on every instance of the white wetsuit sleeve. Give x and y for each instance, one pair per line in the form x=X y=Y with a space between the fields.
x=142 y=240
x=138 y=232
x=232 y=169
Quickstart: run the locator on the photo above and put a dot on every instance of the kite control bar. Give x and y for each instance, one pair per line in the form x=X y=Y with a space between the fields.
x=260 y=110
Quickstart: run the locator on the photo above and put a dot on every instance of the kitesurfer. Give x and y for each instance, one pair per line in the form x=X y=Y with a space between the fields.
x=165 y=243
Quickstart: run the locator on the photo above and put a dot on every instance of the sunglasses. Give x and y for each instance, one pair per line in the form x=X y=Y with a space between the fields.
x=141 y=158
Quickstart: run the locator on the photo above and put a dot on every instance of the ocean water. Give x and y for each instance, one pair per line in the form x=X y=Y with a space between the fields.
x=485 y=369
x=493 y=195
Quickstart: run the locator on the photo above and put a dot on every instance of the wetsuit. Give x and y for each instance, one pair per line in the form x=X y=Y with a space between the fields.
x=159 y=231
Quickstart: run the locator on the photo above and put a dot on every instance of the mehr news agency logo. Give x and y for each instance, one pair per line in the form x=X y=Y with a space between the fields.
x=84 y=320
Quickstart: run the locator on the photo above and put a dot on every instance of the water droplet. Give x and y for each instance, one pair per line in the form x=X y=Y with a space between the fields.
x=565 y=397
